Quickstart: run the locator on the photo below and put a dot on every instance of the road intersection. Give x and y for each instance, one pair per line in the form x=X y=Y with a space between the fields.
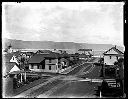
x=65 y=80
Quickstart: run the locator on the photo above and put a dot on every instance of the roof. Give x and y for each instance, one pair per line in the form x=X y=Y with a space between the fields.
x=7 y=57
x=9 y=66
x=29 y=53
x=83 y=56
x=17 y=53
x=37 y=58
x=115 y=49
x=43 y=51
x=74 y=55
x=64 y=55
x=85 y=50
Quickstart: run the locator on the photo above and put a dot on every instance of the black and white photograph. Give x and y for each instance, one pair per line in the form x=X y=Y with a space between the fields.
x=63 y=50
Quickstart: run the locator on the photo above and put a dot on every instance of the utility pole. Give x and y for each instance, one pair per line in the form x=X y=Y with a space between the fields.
x=21 y=77
x=100 y=94
x=103 y=70
x=25 y=76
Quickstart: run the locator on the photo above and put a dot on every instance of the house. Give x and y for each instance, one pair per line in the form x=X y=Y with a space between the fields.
x=83 y=56
x=65 y=58
x=26 y=55
x=10 y=63
x=63 y=62
x=9 y=70
x=43 y=51
x=74 y=56
x=50 y=62
x=84 y=51
x=11 y=57
x=112 y=55
x=45 y=62
x=8 y=49
x=29 y=54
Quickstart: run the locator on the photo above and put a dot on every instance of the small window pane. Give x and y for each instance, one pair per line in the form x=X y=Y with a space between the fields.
x=49 y=60
x=49 y=67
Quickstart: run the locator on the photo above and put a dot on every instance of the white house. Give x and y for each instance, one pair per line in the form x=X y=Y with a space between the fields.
x=112 y=55
x=14 y=59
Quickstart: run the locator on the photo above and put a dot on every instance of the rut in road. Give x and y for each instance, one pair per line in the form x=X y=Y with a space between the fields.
x=43 y=89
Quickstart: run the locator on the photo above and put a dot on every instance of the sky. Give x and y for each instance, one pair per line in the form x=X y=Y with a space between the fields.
x=80 y=22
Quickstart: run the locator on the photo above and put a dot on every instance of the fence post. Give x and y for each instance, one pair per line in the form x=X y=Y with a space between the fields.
x=100 y=94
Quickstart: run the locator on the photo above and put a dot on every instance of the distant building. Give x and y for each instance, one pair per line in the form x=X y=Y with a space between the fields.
x=8 y=49
x=85 y=51
x=43 y=52
x=112 y=55
x=74 y=56
x=11 y=57
x=83 y=56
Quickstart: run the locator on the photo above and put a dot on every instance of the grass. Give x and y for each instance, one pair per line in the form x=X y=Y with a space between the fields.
x=28 y=86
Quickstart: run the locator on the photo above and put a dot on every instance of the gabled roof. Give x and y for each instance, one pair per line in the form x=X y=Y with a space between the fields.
x=37 y=58
x=7 y=57
x=115 y=49
x=52 y=55
x=9 y=66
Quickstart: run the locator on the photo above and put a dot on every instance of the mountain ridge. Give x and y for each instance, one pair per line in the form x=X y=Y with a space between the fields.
x=20 y=44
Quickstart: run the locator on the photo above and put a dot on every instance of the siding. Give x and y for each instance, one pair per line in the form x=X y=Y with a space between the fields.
x=53 y=65
x=109 y=61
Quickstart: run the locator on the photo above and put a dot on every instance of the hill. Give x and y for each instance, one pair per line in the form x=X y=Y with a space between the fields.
x=19 y=44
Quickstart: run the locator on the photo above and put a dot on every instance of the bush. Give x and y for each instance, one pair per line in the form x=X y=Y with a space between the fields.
x=110 y=72
x=16 y=83
x=98 y=64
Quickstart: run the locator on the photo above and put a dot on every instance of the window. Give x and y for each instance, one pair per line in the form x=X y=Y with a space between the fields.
x=38 y=66
x=110 y=57
x=13 y=57
x=117 y=57
x=49 y=67
x=50 y=60
x=31 y=66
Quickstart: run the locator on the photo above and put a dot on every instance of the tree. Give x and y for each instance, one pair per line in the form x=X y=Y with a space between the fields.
x=116 y=63
x=121 y=73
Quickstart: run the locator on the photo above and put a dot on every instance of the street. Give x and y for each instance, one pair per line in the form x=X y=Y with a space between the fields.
x=71 y=84
x=79 y=88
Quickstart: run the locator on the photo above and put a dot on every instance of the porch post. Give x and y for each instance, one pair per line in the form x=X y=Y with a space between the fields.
x=21 y=77
x=104 y=70
x=25 y=76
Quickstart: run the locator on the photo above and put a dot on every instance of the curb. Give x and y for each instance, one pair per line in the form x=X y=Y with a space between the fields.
x=72 y=69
